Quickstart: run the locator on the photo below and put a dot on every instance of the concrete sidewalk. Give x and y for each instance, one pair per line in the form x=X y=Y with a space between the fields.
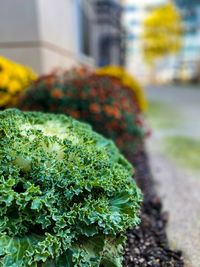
x=180 y=193
x=184 y=101
x=179 y=188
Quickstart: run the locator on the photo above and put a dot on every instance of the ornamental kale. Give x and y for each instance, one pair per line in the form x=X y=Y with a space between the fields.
x=66 y=193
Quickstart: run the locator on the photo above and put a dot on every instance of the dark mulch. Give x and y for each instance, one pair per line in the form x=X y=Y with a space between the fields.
x=147 y=244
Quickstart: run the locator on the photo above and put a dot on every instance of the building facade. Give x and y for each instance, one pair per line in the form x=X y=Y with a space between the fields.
x=188 y=59
x=185 y=65
x=107 y=44
x=46 y=34
x=43 y=34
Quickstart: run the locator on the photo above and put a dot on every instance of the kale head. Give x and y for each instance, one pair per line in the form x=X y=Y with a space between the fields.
x=66 y=193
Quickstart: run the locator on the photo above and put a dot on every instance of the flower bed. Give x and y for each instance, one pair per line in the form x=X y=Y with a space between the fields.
x=14 y=78
x=113 y=109
x=128 y=81
x=103 y=101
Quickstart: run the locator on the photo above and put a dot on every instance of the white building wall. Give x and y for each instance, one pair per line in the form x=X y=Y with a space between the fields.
x=41 y=33
x=18 y=21
x=19 y=32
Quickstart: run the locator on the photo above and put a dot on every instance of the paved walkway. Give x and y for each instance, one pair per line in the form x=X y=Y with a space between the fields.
x=179 y=189
x=181 y=197
x=183 y=100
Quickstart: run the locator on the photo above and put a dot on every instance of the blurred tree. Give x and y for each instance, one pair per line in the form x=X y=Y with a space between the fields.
x=162 y=32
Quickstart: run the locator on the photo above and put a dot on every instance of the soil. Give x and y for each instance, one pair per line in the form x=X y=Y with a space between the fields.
x=147 y=244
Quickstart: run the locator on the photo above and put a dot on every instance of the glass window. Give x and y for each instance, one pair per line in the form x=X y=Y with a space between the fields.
x=130 y=8
x=130 y=37
x=134 y=22
x=85 y=31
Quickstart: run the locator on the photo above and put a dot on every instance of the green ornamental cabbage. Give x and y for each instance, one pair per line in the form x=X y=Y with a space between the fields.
x=66 y=193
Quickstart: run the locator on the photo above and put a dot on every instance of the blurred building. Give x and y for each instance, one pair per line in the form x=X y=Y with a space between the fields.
x=43 y=33
x=187 y=62
x=135 y=13
x=185 y=65
x=108 y=43
x=46 y=34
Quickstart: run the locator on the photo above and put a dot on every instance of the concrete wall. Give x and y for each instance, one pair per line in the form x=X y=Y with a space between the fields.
x=18 y=21
x=19 y=32
x=43 y=34
x=58 y=33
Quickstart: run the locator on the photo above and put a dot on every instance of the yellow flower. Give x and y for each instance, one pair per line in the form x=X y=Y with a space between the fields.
x=4 y=79
x=127 y=80
x=14 y=87
x=14 y=78
x=4 y=99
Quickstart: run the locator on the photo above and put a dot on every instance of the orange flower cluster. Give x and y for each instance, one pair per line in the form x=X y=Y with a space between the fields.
x=101 y=100
x=127 y=80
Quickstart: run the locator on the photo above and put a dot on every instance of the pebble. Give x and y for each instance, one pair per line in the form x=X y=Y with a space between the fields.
x=147 y=244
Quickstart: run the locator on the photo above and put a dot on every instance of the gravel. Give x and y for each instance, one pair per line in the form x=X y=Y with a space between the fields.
x=147 y=244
